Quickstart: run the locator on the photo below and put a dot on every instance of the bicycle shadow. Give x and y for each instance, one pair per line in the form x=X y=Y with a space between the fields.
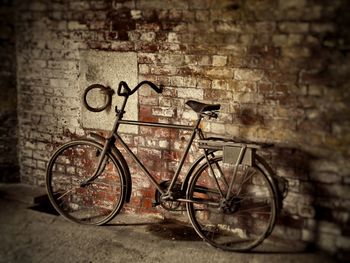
x=296 y=228
x=167 y=229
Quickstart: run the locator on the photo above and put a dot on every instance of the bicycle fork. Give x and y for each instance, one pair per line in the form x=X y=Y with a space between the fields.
x=107 y=146
x=101 y=162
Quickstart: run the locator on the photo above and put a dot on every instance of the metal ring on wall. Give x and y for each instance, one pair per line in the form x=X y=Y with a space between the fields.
x=107 y=93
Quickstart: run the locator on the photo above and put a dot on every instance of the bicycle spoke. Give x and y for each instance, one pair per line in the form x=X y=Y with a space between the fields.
x=67 y=192
x=247 y=199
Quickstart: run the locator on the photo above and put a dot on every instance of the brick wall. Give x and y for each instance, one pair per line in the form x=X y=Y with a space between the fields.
x=8 y=97
x=280 y=70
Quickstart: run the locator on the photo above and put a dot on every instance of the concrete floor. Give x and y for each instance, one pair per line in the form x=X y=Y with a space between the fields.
x=28 y=235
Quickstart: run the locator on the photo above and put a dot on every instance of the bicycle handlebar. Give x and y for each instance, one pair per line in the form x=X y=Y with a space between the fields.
x=124 y=90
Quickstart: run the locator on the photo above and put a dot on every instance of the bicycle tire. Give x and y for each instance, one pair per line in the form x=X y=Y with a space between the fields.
x=96 y=203
x=240 y=226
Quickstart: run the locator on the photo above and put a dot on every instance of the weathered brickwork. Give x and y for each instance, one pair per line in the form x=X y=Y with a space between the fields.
x=280 y=70
x=8 y=97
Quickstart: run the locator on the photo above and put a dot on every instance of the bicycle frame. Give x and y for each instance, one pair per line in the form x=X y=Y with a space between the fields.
x=194 y=130
x=115 y=137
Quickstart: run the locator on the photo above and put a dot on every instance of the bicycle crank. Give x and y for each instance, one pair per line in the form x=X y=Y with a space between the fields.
x=167 y=204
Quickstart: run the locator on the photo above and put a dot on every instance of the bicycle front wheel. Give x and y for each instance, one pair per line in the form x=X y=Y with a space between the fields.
x=240 y=222
x=94 y=203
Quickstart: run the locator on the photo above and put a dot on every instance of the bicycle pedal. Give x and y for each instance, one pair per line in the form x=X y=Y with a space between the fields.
x=155 y=204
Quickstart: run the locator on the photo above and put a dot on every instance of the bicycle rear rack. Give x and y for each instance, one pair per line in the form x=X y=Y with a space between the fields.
x=233 y=152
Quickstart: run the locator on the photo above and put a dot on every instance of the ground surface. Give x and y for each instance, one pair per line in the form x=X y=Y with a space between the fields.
x=28 y=235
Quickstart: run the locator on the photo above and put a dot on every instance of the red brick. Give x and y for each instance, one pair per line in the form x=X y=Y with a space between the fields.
x=145 y=114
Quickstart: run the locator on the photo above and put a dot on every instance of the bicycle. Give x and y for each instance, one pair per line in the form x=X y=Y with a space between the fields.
x=231 y=194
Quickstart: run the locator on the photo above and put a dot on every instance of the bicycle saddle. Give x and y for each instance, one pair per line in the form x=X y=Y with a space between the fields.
x=200 y=107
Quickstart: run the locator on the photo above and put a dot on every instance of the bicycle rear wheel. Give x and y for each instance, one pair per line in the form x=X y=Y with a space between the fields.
x=97 y=202
x=243 y=221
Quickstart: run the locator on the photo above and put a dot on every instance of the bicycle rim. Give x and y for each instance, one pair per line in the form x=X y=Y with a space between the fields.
x=96 y=203
x=248 y=216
